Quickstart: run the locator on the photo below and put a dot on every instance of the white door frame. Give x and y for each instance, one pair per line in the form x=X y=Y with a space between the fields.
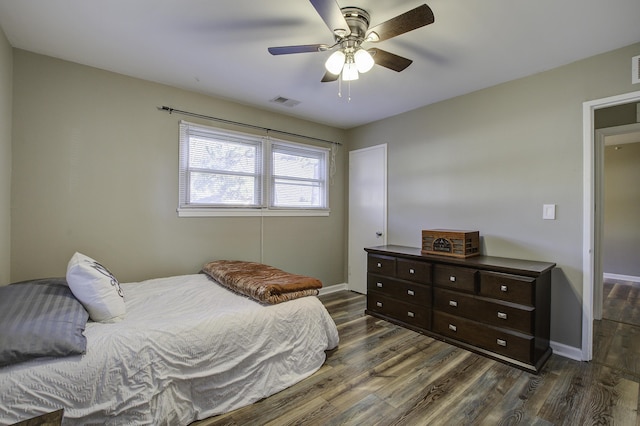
x=591 y=254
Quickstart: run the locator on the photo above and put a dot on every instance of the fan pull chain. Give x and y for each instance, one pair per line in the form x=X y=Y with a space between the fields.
x=348 y=89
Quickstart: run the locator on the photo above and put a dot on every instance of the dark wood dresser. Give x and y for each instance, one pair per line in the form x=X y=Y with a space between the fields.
x=494 y=306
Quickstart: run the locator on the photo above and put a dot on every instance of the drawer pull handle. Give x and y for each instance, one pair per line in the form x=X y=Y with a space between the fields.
x=504 y=288
x=501 y=342
x=452 y=279
x=379 y=265
x=411 y=293
x=379 y=285
x=453 y=327
x=411 y=314
x=502 y=315
x=379 y=304
x=412 y=271
x=453 y=303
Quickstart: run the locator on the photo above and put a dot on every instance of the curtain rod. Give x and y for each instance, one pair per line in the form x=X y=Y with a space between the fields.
x=222 y=120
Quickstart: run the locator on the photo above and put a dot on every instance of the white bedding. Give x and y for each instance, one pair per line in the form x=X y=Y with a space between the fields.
x=188 y=349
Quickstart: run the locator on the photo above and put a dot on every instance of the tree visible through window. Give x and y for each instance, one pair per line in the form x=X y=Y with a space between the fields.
x=223 y=173
x=298 y=177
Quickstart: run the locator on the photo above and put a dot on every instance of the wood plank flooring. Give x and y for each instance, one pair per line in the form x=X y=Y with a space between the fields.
x=382 y=374
x=621 y=301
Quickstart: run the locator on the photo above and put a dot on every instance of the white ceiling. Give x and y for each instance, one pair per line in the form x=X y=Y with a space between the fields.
x=219 y=47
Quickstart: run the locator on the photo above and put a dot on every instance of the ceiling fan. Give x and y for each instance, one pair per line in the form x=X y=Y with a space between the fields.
x=350 y=27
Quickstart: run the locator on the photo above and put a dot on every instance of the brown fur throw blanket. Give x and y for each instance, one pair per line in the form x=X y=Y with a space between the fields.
x=261 y=282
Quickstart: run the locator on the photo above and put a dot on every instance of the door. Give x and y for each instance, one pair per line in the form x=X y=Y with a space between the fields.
x=367 y=210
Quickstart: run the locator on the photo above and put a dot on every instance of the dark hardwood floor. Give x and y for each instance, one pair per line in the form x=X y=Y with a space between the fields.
x=621 y=301
x=382 y=374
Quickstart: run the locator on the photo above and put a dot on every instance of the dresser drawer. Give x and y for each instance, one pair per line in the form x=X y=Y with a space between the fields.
x=454 y=277
x=413 y=271
x=383 y=265
x=513 y=288
x=520 y=318
x=508 y=343
x=418 y=316
x=404 y=291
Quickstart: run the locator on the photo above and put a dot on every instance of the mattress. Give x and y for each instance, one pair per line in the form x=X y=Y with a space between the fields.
x=188 y=349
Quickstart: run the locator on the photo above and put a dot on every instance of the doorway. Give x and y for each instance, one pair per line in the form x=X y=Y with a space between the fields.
x=610 y=141
x=592 y=214
x=367 y=210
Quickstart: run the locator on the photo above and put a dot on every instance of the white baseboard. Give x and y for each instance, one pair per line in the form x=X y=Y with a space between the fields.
x=618 y=277
x=566 y=351
x=333 y=289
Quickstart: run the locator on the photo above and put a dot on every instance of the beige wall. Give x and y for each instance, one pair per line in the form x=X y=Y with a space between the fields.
x=491 y=159
x=96 y=170
x=6 y=91
x=621 y=255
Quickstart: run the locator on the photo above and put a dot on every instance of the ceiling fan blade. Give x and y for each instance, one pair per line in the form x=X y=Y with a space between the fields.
x=408 y=21
x=329 y=77
x=389 y=60
x=286 y=50
x=332 y=16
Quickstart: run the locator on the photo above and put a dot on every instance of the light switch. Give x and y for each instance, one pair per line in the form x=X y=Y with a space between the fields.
x=549 y=211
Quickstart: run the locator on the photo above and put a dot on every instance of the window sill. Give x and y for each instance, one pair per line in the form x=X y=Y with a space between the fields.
x=210 y=212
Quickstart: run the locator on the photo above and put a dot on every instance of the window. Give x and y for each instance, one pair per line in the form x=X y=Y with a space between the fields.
x=231 y=173
x=298 y=177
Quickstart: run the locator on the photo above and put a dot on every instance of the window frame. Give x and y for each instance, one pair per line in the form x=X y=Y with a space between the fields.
x=266 y=180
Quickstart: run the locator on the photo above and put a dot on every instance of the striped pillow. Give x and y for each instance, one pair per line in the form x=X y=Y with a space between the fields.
x=40 y=318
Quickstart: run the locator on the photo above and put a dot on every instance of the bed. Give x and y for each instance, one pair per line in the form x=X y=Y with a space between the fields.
x=187 y=348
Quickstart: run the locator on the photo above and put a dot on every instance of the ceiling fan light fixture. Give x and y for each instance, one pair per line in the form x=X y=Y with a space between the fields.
x=364 y=60
x=335 y=62
x=350 y=71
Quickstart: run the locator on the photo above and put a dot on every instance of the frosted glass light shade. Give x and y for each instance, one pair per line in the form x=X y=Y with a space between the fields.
x=364 y=60
x=335 y=62
x=350 y=71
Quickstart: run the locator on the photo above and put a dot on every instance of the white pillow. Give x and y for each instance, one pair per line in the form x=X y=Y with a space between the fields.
x=96 y=288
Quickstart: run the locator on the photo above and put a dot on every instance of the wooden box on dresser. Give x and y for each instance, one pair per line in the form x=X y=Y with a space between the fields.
x=494 y=306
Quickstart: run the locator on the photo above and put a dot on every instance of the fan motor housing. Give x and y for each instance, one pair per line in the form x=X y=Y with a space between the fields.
x=358 y=21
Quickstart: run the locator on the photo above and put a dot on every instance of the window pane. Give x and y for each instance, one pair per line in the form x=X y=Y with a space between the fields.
x=306 y=167
x=289 y=193
x=213 y=188
x=222 y=155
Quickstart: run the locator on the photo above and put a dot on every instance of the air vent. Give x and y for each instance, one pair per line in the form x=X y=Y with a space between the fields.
x=635 y=70
x=284 y=101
